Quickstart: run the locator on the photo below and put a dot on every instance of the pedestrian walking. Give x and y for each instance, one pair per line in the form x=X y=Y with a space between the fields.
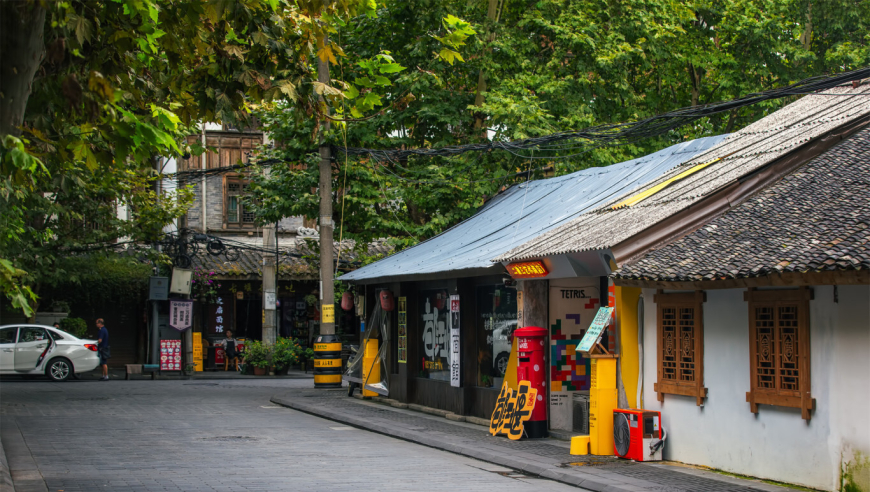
x=230 y=352
x=103 y=348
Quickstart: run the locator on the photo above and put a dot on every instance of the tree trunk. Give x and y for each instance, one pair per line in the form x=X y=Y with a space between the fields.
x=491 y=13
x=21 y=52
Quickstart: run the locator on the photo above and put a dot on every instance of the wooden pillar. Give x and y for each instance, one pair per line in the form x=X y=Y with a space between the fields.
x=535 y=303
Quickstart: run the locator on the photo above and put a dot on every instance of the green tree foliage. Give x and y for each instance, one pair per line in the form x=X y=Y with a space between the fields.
x=93 y=90
x=547 y=66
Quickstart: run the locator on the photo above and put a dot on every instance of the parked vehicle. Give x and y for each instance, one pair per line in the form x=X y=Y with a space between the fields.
x=39 y=349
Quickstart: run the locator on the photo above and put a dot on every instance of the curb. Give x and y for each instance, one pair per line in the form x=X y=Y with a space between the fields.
x=584 y=480
x=5 y=475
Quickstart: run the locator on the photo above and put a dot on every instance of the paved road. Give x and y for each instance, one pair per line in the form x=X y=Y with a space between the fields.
x=213 y=436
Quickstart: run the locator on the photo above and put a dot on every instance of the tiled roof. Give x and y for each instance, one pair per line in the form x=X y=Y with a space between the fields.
x=740 y=153
x=292 y=263
x=813 y=220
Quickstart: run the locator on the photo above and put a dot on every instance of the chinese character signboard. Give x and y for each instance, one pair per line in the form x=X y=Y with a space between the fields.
x=197 y=351
x=454 y=341
x=403 y=330
x=220 y=316
x=180 y=314
x=434 y=310
x=592 y=335
x=512 y=409
x=170 y=355
x=527 y=269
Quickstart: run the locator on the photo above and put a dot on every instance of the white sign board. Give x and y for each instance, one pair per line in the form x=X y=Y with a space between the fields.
x=602 y=319
x=269 y=301
x=180 y=314
x=454 y=342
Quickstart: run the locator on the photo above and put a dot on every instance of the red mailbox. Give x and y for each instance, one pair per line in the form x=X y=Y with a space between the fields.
x=531 y=341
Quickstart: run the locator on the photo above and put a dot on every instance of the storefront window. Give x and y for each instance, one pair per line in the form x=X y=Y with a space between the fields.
x=435 y=341
x=496 y=322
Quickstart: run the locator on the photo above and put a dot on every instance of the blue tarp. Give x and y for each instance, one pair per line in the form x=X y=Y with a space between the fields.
x=526 y=211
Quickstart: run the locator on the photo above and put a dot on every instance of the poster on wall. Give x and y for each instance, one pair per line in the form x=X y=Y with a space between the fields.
x=180 y=314
x=454 y=341
x=573 y=306
x=435 y=340
x=170 y=355
x=403 y=330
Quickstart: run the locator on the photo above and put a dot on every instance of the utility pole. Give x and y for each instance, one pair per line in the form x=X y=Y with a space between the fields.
x=269 y=283
x=327 y=320
x=327 y=346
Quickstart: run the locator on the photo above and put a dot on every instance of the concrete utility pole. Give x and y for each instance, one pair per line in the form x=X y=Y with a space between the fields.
x=269 y=286
x=327 y=316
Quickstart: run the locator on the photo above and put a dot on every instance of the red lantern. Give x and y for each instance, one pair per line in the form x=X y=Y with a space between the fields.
x=387 y=302
x=347 y=300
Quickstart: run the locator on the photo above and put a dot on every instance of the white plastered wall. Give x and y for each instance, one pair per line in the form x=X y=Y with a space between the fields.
x=776 y=443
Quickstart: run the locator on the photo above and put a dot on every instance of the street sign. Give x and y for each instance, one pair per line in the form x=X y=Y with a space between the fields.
x=158 y=289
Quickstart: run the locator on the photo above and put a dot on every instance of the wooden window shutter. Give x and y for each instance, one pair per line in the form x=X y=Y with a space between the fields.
x=779 y=346
x=680 y=345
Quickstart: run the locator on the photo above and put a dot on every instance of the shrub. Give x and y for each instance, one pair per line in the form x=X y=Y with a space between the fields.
x=257 y=354
x=76 y=327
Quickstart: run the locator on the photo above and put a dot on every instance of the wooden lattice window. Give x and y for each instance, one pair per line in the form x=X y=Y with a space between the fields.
x=680 y=346
x=236 y=215
x=779 y=345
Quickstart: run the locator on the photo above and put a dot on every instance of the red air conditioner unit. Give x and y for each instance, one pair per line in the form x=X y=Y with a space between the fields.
x=638 y=435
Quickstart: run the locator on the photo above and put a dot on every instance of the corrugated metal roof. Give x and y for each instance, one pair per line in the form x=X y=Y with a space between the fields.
x=525 y=211
x=747 y=150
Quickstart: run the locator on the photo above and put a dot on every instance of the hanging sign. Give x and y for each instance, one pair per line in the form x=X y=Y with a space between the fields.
x=403 y=330
x=593 y=333
x=180 y=314
x=512 y=409
x=454 y=341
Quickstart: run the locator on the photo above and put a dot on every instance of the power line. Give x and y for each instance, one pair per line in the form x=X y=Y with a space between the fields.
x=619 y=133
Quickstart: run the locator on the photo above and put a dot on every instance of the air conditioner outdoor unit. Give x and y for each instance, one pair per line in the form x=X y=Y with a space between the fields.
x=638 y=434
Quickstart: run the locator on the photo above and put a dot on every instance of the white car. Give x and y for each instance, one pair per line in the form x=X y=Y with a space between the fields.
x=38 y=349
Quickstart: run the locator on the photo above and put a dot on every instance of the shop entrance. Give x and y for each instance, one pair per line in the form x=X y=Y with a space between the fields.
x=249 y=319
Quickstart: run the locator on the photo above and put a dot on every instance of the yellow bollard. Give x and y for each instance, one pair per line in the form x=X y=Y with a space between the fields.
x=580 y=445
x=371 y=370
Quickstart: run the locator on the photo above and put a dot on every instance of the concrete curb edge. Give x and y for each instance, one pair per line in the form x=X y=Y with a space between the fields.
x=5 y=474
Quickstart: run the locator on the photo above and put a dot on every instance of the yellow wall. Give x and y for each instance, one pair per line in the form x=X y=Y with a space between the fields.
x=626 y=315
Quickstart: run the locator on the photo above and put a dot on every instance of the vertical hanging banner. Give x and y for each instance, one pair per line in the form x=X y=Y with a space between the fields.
x=180 y=314
x=403 y=330
x=454 y=341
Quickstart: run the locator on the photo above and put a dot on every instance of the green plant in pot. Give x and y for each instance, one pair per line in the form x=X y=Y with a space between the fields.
x=258 y=356
x=285 y=353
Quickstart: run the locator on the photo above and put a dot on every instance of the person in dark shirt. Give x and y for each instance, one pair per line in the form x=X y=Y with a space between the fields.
x=103 y=348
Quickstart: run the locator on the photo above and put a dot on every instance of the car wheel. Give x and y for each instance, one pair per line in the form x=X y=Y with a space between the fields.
x=59 y=369
x=501 y=363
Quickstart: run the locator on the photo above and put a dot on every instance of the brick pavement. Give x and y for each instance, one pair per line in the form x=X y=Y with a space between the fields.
x=221 y=435
x=548 y=458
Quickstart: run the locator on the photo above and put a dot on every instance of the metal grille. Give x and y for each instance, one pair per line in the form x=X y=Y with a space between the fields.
x=764 y=349
x=669 y=350
x=787 y=323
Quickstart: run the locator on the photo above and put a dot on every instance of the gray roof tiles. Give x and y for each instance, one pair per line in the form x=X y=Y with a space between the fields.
x=741 y=153
x=813 y=220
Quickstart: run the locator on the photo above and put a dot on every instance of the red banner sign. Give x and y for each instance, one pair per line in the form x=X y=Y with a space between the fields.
x=527 y=269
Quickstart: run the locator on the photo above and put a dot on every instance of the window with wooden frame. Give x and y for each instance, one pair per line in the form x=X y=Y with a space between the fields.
x=680 y=346
x=236 y=215
x=779 y=345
